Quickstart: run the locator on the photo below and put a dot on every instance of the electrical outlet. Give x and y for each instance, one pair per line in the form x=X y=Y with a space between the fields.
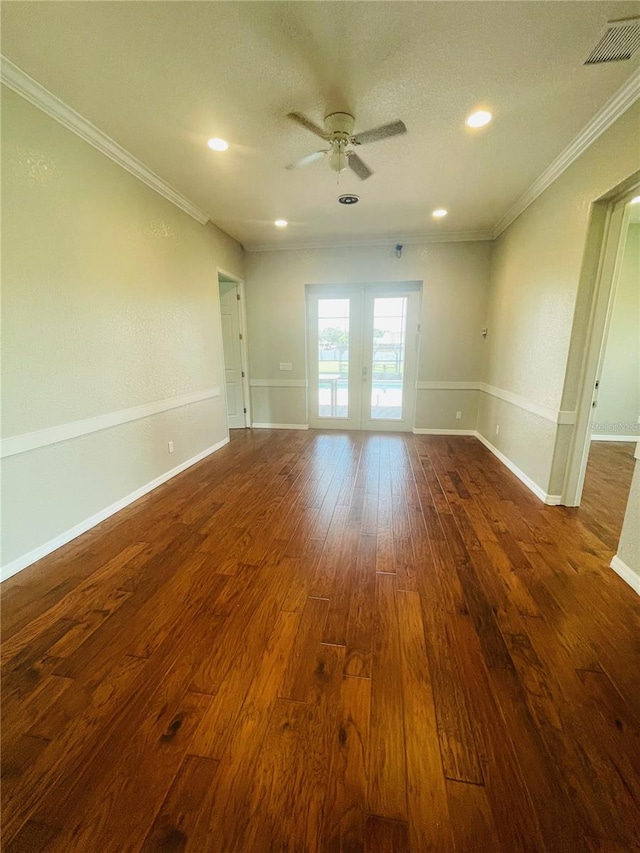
x=170 y=446
x=286 y=365
x=458 y=416
x=497 y=429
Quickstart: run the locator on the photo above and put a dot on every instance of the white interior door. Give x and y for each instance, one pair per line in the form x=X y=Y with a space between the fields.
x=363 y=344
x=232 y=354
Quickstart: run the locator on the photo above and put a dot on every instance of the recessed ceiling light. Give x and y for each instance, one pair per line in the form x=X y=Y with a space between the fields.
x=439 y=213
x=217 y=144
x=635 y=200
x=479 y=118
x=281 y=223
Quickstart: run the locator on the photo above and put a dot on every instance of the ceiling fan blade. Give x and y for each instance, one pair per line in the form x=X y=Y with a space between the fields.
x=358 y=166
x=395 y=128
x=306 y=123
x=308 y=159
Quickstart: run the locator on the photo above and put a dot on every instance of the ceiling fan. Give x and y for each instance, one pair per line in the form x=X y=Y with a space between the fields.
x=338 y=132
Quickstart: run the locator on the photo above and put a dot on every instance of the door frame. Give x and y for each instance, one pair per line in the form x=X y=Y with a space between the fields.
x=242 y=322
x=364 y=291
x=606 y=284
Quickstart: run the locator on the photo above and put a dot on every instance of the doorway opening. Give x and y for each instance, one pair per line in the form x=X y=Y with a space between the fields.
x=363 y=347
x=608 y=426
x=233 y=326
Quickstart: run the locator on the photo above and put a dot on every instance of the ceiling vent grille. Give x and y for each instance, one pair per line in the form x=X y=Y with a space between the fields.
x=619 y=41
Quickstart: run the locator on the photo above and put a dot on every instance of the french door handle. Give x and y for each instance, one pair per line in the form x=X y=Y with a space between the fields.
x=365 y=373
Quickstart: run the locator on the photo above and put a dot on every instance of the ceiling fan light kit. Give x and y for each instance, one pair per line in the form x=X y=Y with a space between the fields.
x=338 y=160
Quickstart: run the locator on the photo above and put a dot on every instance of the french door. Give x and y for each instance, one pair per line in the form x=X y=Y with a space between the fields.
x=363 y=346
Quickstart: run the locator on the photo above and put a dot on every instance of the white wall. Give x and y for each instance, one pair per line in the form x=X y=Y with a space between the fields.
x=619 y=392
x=109 y=301
x=536 y=313
x=455 y=281
x=629 y=547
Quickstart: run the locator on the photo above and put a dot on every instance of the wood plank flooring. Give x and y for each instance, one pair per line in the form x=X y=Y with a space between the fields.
x=322 y=643
x=606 y=489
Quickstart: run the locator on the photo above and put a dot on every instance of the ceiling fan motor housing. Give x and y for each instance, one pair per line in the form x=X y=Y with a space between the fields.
x=339 y=126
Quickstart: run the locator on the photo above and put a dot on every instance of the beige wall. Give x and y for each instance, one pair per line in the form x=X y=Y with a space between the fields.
x=619 y=392
x=109 y=300
x=535 y=276
x=455 y=281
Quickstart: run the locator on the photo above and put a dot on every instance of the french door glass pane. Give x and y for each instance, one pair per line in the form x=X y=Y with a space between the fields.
x=388 y=357
x=333 y=358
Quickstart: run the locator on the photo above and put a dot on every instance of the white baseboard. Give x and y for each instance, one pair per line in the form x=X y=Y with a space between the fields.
x=420 y=431
x=626 y=573
x=280 y=426
x=25 y=560
x=609 y=437
x=550 y=500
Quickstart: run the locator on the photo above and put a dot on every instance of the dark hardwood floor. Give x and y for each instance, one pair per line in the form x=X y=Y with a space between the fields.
x=606 y=489
x=326 y=642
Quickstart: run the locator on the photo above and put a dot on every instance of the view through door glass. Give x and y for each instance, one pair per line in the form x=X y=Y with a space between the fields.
x=388 y=357
x=333 y=358
x=363 y=346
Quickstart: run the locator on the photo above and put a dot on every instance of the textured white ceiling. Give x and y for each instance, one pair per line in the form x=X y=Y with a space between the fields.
x=162 y=77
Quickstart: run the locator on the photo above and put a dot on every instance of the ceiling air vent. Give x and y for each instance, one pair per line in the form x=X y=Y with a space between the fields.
x=619 y=41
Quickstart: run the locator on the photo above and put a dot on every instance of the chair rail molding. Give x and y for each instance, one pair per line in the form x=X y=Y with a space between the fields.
x=556 y=416
x=439 y=385
x=28 y=88
x=52 y=435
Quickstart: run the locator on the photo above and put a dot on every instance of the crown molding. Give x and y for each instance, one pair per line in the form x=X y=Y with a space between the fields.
x=616 y=106
x=365 y=242
x=16 y=79
x=28 y=88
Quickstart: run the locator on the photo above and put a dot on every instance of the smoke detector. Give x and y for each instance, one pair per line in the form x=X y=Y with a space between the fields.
x=618 y=42
x=348 y=198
